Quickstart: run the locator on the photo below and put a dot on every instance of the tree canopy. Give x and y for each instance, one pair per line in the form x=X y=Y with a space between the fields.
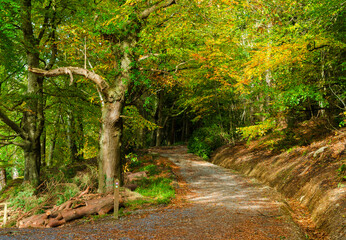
x=80 y=79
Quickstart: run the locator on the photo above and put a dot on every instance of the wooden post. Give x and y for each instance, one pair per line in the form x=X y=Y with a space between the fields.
x=116 y=198
x=5 y=212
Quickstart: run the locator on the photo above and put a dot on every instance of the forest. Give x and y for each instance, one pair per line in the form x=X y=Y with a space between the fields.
x=99 y=79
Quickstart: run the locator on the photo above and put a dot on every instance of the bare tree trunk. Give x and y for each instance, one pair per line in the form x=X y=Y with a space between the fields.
x=172 y=133
x=80 y=136
x=32 y=158
x=110 y=163
x=2 y=178
x=15 y=173
x=32 y=148
x=51 y=150
x=53 y=141
x=33 y=119
x=113 y=99
x=159 y=120
x=71 y=137
x=43 y=148
x=322 y=111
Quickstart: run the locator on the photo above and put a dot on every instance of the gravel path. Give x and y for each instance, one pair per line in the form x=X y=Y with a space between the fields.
x=222 y=205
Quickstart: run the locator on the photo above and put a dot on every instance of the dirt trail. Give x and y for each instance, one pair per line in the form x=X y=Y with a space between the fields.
x=222 y=205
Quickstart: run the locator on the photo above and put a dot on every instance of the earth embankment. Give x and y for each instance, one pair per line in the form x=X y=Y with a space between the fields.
x=307 y=175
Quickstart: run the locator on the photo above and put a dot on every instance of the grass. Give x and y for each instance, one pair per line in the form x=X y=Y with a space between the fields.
x=151 y=169
x=157 y=188
x=60 y=186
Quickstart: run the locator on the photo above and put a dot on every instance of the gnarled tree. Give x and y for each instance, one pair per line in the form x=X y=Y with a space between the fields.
x=34 y=24
x=113 y=90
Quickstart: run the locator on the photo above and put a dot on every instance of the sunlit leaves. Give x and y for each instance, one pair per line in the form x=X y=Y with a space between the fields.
x=134 y=123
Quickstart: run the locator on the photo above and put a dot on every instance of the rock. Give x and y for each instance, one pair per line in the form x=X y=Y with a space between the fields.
x=321 y=150
x=130 y=177
x=132 y=196
x=131 y=186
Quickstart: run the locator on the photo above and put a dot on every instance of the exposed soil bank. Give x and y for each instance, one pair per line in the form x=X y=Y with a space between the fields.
x=307 y=174
x=211 y=203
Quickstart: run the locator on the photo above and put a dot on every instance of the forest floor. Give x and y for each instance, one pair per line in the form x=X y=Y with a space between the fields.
x=211 y=203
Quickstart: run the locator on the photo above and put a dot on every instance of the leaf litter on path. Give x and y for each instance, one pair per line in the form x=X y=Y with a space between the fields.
x=211 y=203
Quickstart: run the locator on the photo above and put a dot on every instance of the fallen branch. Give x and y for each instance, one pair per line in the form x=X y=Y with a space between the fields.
x=77 y=208
x=54 y=218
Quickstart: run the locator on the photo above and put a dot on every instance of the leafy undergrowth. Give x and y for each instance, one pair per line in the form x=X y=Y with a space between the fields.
x=58 y=186
x=157 y=187
x=286 y=139
x=205 y=140
x=61 y=185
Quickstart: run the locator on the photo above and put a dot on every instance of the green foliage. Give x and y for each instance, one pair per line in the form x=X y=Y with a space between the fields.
x=68 y=191
x=55 y=190
x=133 y=160
x=133 y=125
x=222 y=67
x=258 y=130
x=343 y=122
x=86 y=178
x=151 y=169
x=117 y=19
x=342 y=172
x=205 y=140
x=298 y=95
x=157 y=188
x=24 y=197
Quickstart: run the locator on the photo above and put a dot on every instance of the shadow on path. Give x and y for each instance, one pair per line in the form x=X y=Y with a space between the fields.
x=224 y=205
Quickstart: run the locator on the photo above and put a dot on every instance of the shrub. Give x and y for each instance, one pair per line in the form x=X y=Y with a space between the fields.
x=68 y=191
x=87 y=178
x=23 y=197
x=205 y=140
x=258 y=130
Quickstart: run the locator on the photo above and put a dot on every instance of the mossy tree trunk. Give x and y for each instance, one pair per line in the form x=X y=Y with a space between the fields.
x=113 y=96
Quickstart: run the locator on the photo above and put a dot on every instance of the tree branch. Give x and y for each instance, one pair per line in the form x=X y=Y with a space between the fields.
x=12 y=125
x=177 y=67
x=97 y=79
x=3 y=144
x=312 y=46
x=7 y=138
x=45 y=22
x=54 y=50
x=146 y=13
x=148 y=56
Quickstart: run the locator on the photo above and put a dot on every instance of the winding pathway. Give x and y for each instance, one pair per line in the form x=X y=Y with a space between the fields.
x=222 y=205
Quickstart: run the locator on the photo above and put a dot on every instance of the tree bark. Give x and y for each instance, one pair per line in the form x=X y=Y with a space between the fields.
x=159 y=120
x=53 y=218
x=71 y=137
x=2 y=178
x=113 y=94
x=43 y=148
x=172 y=133
x=110 y=163
x=53 y=141
x=80 y=135
x=33 y=119
x=111 y=130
